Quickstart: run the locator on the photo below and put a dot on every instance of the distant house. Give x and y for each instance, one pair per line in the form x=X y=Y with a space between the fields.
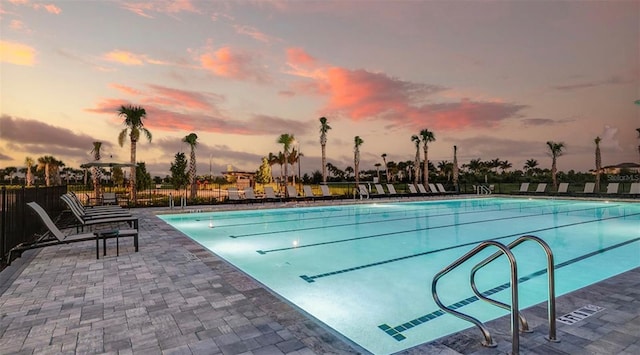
x=242 y=178
x=616 y=169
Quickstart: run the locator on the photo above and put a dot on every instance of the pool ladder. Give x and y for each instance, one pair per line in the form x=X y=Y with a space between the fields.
x=516 y=316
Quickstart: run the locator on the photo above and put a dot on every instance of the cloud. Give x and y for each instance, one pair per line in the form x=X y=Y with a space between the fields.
x=50 y=8
x=19 y=26
x=543 y=121
x=235 y=64
x=129 y=58
x=614 y=80
x=362 y=95
x=169 y=109
x=145 y=9
x=17 y=53
x=255 y=34
x=41 y=138
x=5 y=157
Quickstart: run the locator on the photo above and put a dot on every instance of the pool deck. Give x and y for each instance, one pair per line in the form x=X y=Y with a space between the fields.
x=175 y=297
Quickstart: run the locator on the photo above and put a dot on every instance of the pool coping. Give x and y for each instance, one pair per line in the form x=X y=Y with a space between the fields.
x=269 y=317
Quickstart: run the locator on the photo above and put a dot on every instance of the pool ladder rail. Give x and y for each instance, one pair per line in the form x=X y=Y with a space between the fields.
x=518 y=322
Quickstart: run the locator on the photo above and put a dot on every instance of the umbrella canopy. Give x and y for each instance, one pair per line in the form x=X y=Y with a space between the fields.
x=105 y=164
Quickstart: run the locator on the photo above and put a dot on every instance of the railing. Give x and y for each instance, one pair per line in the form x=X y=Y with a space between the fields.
x=15 y=221
x=483 y=190
x=516 y=317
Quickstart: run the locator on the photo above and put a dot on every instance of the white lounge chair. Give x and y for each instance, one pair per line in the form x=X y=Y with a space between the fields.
x=326 y=193
x=308 y=192
x=422 y=189
x=634 y=189
x=233 y=194
x=54 y=235
x=563 y=188
x=612 y=187
x=362 y=191
x=379 y=190
x=589 y=187
x=392 y=190
x=270 y=194
x=412 y=189
x=250 y=195
x=541 y=188
x=433 y=188
x=524 y=187
x=442 y=190
x=292 y=192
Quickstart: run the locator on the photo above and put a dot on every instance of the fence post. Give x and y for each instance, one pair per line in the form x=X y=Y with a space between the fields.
x=3 y=223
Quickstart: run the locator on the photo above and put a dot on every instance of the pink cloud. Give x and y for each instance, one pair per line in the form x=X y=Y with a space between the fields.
x=146 y=8
x=50 y=8
x=234 y=64
x=124 y=57
x=255 y=34
x=126 y=89
x=298 y=57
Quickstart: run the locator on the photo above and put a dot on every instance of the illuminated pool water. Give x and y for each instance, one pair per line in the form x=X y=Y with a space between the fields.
x=366 y=270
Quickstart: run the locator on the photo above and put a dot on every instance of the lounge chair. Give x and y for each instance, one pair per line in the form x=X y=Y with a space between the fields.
x=250 y=195
x=541 y=188
x=612 y=187
x=92 y=208
x=54 y=236
x=433 y=189
x=91 y=213
x=109 y=198
x=524 y=188
x=412 y=189
x=233 y=195
x=589 y=187
x=308 y=192
x=379 y=190
x=634 y=189
x=422 y=189
x=326 y=193
x=563 y=188
x=442 y=190
x=269 y=194
x=94 y=220
x=392 y=190
x=362 y=191
x=292 y=193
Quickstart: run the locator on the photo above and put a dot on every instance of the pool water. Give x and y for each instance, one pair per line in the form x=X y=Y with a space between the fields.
x=365 y=270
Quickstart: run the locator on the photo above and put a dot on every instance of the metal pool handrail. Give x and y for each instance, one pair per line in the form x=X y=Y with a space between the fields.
x=551 y=302
x=488 y=341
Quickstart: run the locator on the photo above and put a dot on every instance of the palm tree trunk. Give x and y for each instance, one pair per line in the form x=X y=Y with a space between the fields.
x=324 y=163
x=425 y=168
x=132 y=175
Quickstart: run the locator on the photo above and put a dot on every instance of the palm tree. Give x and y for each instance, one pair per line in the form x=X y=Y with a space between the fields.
x=505 y=165
x=10 y=170
x=192 y=140
x=386 y=168
x=133 y=116
x=530 y=166
x=378 y=165
x=555 y=149
x=416 y=165
x=272 y=159
x=293 y=159
x=44 y=163
x=427 y=136
x=638 y=129
x=456 y=171
x=324 y=128
x=598 y=163
x=357 y=142
x=286 y=140
x=95 y=171
x=28 y=161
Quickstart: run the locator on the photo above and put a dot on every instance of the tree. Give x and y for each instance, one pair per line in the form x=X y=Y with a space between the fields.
x=117 y=175
x=456 y=173
x=44 y=164
x=179 y=171
x=638 y=129
x=286 y=140
x=427 y=137
x=530 y=166
x=10 y=170
x=28 y=161
x=143 y=178
x=357 y=142
x=416 y=164
x=378 y=165
x=598 y=163
x=505 y=165
x=95 y=171
x=294 y=158
x=386 y=168
x=348 y=171
x=133 y=116
x=324 y=128
x=192 y=140
x=555 y=149
x=263 y=175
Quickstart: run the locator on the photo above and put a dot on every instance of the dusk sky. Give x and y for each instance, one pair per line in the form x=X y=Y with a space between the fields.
x=497 y=79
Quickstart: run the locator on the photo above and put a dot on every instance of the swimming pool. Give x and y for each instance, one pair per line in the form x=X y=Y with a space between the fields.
x=366 y=270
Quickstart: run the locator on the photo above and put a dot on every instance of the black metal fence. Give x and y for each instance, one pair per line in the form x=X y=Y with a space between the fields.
x=17 y=223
